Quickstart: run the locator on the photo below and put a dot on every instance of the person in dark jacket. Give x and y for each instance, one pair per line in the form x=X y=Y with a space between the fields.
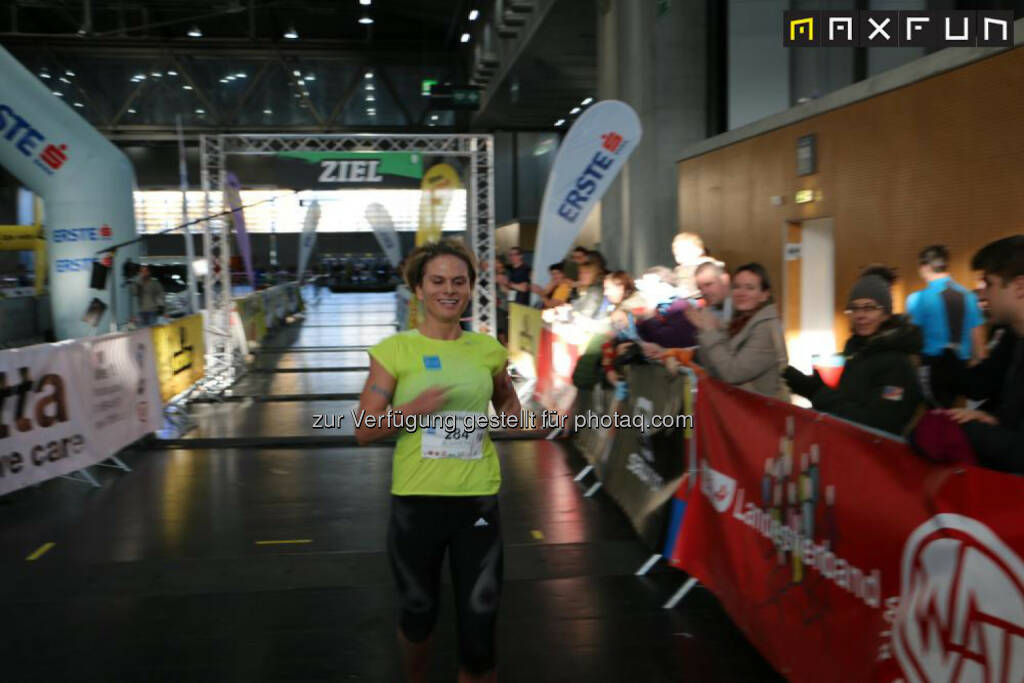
x=997 y=433
x=879 y=386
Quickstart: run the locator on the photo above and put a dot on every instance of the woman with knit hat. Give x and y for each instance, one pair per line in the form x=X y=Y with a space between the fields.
x=879 y=386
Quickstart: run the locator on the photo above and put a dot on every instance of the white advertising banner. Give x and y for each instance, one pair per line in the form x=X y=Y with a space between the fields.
x=384 y=230
x=590 y=157
x=73 y=404
x=121 y=389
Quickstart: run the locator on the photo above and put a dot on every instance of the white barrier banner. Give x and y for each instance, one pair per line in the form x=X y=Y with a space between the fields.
x=590 y=157
x=43 y=417
x=73 y=404
x=120 y=386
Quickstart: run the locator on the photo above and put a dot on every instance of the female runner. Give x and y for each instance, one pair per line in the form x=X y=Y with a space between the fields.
x=444 y=483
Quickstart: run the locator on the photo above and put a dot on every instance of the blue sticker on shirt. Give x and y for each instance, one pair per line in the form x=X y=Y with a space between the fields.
x=431 y=362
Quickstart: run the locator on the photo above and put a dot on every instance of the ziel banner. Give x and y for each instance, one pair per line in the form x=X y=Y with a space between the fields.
x=845 y=557
x=339 y=170
x=180 y=354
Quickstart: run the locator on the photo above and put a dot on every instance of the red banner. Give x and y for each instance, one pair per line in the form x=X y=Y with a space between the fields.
x=556 y=360
x=845 y=557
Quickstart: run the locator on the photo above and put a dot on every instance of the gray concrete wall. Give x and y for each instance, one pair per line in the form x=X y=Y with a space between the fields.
x=658 y=65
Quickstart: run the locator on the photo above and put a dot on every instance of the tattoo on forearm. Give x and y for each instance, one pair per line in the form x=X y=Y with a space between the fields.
x=383 y=392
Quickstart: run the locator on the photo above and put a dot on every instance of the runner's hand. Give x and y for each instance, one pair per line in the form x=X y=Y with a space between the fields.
x=429 y=401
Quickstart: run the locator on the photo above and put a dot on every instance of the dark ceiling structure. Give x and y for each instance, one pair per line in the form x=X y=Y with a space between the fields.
x=133 y=68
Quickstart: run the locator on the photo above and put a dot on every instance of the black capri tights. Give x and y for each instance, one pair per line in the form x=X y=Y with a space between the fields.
x=422 y=528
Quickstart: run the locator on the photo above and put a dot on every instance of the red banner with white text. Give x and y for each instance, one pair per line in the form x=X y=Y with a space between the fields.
x=845 y=557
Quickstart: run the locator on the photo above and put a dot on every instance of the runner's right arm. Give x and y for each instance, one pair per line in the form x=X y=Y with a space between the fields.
x=377 y=395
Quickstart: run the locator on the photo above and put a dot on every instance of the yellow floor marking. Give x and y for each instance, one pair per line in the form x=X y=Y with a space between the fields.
x=537 y=535
x=42 y=550
x=290 y=541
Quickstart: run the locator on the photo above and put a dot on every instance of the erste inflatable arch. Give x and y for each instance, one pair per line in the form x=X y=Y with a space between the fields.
x=86 y=184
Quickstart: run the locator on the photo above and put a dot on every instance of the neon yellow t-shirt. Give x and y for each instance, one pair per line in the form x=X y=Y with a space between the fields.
x=466 y=367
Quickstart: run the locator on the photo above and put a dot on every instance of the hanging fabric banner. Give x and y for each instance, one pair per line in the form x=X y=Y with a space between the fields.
x=233 y=198
x=439 y=185
x=590 y=157
x=384 y=230
x=308 y=239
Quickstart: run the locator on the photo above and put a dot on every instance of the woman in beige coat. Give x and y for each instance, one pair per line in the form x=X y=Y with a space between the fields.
x=750 y=351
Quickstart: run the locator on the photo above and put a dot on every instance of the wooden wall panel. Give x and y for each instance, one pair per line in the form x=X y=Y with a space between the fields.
x=938 y=161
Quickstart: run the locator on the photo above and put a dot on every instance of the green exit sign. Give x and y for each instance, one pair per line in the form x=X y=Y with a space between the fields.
x=466 y=99
x=425 y=85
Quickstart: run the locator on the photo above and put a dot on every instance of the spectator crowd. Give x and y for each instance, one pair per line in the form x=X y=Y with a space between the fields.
x=948 y=374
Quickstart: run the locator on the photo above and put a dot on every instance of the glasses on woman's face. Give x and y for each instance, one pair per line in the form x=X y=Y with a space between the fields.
x=870 y=308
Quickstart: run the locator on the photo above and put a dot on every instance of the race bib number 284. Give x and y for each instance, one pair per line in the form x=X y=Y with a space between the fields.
x=459 y=443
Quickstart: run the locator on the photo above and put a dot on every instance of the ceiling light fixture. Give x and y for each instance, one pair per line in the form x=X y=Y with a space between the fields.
x=64 y=80
x=366 y=19
x=473 y=14
x=139 y=77
x=369 y=74
x=194 y=32
x=58 y=94
x=172 y=73
x=587 y=101
x=267 y=111
x=79 y=105
x=44 y=75
x=369 y=87
x=241 y=74
x=559 y=122
x=186 y=87
x=574 y=110
x=132 y=111
x=157 y=74
x=69 y=72
x=291 y=34
x=365 y=3
x=200 y=111
x=310 y=77
x=464 y=38
x=371 y=98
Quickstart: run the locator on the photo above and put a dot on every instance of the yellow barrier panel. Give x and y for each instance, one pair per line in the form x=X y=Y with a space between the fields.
x=180 y=353
x=254 y=317
x=524 y=326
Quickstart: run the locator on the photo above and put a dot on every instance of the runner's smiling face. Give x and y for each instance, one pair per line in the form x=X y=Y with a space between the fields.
x=445 y=289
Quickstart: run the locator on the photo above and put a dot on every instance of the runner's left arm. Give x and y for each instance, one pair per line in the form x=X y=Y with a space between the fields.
x=504 y=396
